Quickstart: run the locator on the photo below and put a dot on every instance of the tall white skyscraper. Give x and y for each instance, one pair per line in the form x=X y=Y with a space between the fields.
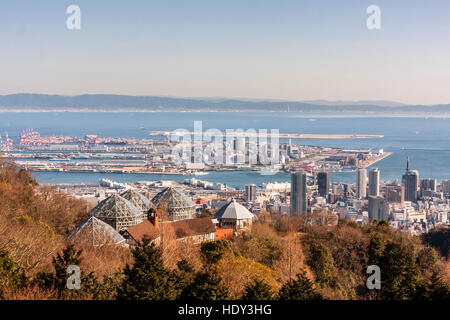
x=374 y=182
x=361 y=178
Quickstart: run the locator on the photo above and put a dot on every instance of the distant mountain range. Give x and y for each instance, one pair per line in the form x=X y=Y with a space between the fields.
x=107 y=102
x=379 y=103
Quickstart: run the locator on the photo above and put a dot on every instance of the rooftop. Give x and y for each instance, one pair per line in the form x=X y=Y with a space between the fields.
x=137 y=199
x=115 y=207
x=172 y=198
x=233 y=210
x=140 y=230
x=95 y=232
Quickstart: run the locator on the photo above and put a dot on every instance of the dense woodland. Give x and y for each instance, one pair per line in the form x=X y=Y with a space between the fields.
x=279 y=258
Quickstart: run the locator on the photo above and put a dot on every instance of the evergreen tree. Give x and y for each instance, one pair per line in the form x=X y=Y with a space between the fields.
x=89 y=284
x=439 y=239
x=147 y=279
x=69 y=256
x=299 y=289
x=376 y=247
x=206 y=286
x=399 y=274
x=11 y=274
x=383 y=223
x=109 y=287
x=427 y=260
x=184 y=276
x=258 y=290
x=321 y=262
x=212 y=251
x=433 y=289
x=185 y=267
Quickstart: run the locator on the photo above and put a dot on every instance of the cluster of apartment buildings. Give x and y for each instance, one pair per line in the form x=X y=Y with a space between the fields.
x=414 y=205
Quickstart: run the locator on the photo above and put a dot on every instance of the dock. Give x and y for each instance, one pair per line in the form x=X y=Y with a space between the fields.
x=370 y=162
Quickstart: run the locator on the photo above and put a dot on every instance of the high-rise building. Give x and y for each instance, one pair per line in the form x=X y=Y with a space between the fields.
x=298 y=192
x=428 y=185
x=323 y=182
x=378 y=208
x=445 y=186
x=346 y=188
x=410 y=180
x=374 y=182
x=250 y=192
x=395 y=194
x=361 y=177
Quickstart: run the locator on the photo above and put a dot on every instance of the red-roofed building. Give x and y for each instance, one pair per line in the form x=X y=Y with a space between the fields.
x=197 y=230
x=200 y=201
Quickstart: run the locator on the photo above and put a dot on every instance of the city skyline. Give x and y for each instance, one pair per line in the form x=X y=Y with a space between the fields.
x=224 y=151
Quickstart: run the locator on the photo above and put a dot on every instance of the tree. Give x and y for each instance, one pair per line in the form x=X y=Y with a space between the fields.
x=184 y=276
x=147 y=279
x=184 y=266
x=299 y=289
x=376 y=247
x=258 y=290
x=212 y=251
x=69 y=256
x=57 y=281
x=109 y=287
x=205 y=213
x=321 y=262
x=439 y=239
x=34 y=219
x=11 y=274
x=261 y=244
x=205 y=286
x=291 y=259
x=237 y=271
x=353 y=224
x=399 y=274
x=427 y=260
x=433 y=289
x=383 y=223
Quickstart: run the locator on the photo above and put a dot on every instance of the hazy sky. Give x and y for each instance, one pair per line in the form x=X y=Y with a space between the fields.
x=297 y=50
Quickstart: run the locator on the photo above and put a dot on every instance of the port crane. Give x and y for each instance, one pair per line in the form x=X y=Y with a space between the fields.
x=6 y=145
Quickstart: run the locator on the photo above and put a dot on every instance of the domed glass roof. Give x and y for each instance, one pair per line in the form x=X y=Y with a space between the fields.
x=96 y=233
x=137 y=199
x=115 y=207
x=172 y=198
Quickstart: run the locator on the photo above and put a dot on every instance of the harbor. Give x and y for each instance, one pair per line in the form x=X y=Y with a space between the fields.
x=155 y=156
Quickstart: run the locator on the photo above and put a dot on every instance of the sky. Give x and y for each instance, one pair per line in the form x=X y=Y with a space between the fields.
x=293 y=50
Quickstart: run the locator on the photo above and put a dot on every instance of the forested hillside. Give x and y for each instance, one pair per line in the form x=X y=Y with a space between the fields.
x=279 y=258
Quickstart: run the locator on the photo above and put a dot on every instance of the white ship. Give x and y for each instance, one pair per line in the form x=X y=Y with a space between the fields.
x=200 y=173
x=269 y=171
